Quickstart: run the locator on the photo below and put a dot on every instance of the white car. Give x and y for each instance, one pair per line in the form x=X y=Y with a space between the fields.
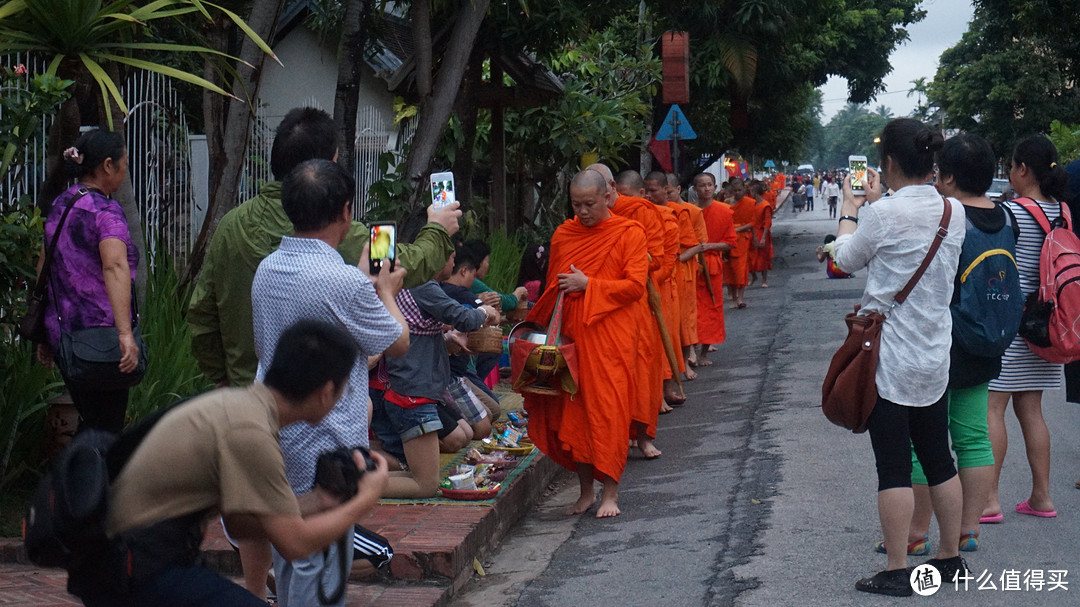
x=998 y=189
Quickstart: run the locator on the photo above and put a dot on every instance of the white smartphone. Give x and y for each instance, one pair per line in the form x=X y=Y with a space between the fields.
x=857 y=172
x=442 y=189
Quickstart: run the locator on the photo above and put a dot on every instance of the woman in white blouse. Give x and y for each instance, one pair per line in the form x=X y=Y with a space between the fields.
x=890 y=237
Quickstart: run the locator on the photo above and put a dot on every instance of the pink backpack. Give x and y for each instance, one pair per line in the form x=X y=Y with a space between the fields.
x=1051 y=321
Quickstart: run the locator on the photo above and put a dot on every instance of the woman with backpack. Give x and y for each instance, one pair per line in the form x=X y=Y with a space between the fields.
x=1035 y=174
x=891 y=237
x=986 y=307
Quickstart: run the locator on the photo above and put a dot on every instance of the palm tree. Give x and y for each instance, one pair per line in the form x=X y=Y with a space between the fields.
x=89 y=42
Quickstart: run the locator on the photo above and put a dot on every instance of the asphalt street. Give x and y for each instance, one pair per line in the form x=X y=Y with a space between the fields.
x=758 y=500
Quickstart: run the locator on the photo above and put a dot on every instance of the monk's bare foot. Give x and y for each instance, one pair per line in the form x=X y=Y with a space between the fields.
x=633 y=443
x=704 y=362
x=583 y=503
x=664 y=408
x=609 y=500
x=648 y=449
x=764 y=285
x=713 y=348
x=690 y=373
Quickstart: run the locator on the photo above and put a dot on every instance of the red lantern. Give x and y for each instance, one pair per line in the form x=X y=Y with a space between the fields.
x=675 y=53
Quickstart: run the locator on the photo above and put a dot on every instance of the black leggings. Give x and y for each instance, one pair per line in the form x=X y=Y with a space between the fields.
x=895 y=429
x=101 y=409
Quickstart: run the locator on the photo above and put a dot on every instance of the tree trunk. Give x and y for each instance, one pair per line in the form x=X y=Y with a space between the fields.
x=228 y=125
x=350 y=61
x=421 y=31
x=126 y=194
x=435 y=110
x=466 y=110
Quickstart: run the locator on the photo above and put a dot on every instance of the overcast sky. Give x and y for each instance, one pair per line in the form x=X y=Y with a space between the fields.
x=945 y=22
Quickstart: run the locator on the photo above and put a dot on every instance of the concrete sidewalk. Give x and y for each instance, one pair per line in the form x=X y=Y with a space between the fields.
x=434 y=548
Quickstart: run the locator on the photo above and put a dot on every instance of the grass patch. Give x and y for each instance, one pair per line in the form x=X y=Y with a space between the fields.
x=506 y=252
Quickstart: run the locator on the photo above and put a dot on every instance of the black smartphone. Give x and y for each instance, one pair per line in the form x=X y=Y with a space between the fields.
x=383 y=245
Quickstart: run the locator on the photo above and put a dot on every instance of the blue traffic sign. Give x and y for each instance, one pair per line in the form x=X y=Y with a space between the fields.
x=675 y=126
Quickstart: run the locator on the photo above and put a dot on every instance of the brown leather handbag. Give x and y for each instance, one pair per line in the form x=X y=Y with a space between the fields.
x=850 y=391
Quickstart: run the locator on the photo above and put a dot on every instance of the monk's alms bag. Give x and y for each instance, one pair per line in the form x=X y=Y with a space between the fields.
x=850 y=391
x=550 y=368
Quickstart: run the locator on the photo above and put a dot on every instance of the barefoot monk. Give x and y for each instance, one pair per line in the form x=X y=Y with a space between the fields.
x=598 y=262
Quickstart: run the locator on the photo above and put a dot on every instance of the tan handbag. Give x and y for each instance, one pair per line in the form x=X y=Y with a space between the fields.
x=850 y=391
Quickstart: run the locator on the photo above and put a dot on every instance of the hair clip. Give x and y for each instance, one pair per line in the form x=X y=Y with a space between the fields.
x=1053 y=164
x=540 y=252
x=73 y=155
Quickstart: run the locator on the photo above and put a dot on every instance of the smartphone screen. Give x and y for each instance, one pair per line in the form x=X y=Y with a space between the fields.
x=383 y=245
x=442 y=189
x=857 y=170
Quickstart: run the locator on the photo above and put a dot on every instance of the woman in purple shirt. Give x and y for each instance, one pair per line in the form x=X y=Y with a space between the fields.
x=93 y=268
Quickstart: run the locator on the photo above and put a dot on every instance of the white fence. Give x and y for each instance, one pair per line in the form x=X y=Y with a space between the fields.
x=168 y=166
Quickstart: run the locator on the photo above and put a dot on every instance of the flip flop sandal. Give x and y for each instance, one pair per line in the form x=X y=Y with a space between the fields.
x=969 y=542
x=991 y=519
x=916 y=548
x=1025 y=508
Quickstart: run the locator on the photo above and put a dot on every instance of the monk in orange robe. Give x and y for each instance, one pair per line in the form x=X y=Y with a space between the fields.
x=648 y=392
x=720 y=233
x=686 y=268
x=761 y=262
x=656 y=192
x=737 y=268
x=598 y=262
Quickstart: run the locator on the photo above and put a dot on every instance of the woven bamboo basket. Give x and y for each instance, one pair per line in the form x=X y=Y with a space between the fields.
x=519 y=313
x=486 y=340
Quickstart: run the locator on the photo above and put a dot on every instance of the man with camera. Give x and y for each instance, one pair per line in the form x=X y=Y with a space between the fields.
x=307 y=278
x=219 y=453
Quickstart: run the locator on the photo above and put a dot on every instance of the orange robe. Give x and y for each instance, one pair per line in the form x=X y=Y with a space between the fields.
x=669 y=292
x=686 y=271
x=644 y=405
x=737 y=268
x=763 y=254
x=720 y=228
x=592 y=427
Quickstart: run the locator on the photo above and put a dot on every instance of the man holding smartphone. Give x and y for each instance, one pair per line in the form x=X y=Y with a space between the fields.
x=306 y=278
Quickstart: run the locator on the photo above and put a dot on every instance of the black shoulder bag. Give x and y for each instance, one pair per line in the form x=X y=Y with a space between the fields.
x=32 y=326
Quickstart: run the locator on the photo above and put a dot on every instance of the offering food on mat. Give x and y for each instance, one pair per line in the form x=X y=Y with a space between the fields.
x=499 y=459
x=518 y=418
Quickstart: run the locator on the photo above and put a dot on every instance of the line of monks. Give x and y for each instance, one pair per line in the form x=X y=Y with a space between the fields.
x=641 y=274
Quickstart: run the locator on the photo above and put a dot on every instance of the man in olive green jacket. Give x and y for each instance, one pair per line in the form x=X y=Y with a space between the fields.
x=219 y=315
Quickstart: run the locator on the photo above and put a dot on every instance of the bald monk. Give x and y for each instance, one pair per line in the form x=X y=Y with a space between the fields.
x=686 y=268
x=761 y=261
x=649 y=401
x=737 y=268
x=720 y=232
x=656 y=193
x=598 y=261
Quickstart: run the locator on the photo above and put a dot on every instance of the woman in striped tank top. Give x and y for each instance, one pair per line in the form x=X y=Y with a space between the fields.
x=1034 y=173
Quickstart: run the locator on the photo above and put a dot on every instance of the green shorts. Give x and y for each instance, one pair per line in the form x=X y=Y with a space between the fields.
x=968 y=430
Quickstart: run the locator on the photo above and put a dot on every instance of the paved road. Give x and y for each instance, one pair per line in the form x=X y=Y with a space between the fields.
x=757 y=499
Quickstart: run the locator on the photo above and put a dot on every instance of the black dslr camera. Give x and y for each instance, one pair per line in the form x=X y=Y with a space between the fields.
x=336 y=472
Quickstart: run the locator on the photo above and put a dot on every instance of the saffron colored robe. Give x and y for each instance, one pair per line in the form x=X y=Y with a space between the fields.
x=686 y=271
x=669 y=293
x=648 y=391
x=592 y=427
x=737 y=268
x=720 y=228
x=761 y=261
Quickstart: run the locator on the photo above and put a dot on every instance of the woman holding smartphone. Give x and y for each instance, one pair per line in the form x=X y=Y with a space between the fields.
x=890 y=238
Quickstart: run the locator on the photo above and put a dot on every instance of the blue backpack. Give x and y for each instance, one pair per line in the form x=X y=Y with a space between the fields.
x=989 y=303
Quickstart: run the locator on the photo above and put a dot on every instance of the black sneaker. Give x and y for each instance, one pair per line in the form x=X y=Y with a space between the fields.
x=950 y=568
x=893 y=583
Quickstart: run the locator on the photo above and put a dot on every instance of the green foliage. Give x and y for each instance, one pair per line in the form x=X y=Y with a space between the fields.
x=752 y=61
x=1066 y=138
x=101 y=36
x=390 y=193
x=851 y=131
x=1012 y=73
x=25 y=386
x=172 y=371
x=21 y=233
x=22 y=109
x=506 y=252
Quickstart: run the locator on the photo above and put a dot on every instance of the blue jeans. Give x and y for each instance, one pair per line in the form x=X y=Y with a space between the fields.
x=181 y=587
